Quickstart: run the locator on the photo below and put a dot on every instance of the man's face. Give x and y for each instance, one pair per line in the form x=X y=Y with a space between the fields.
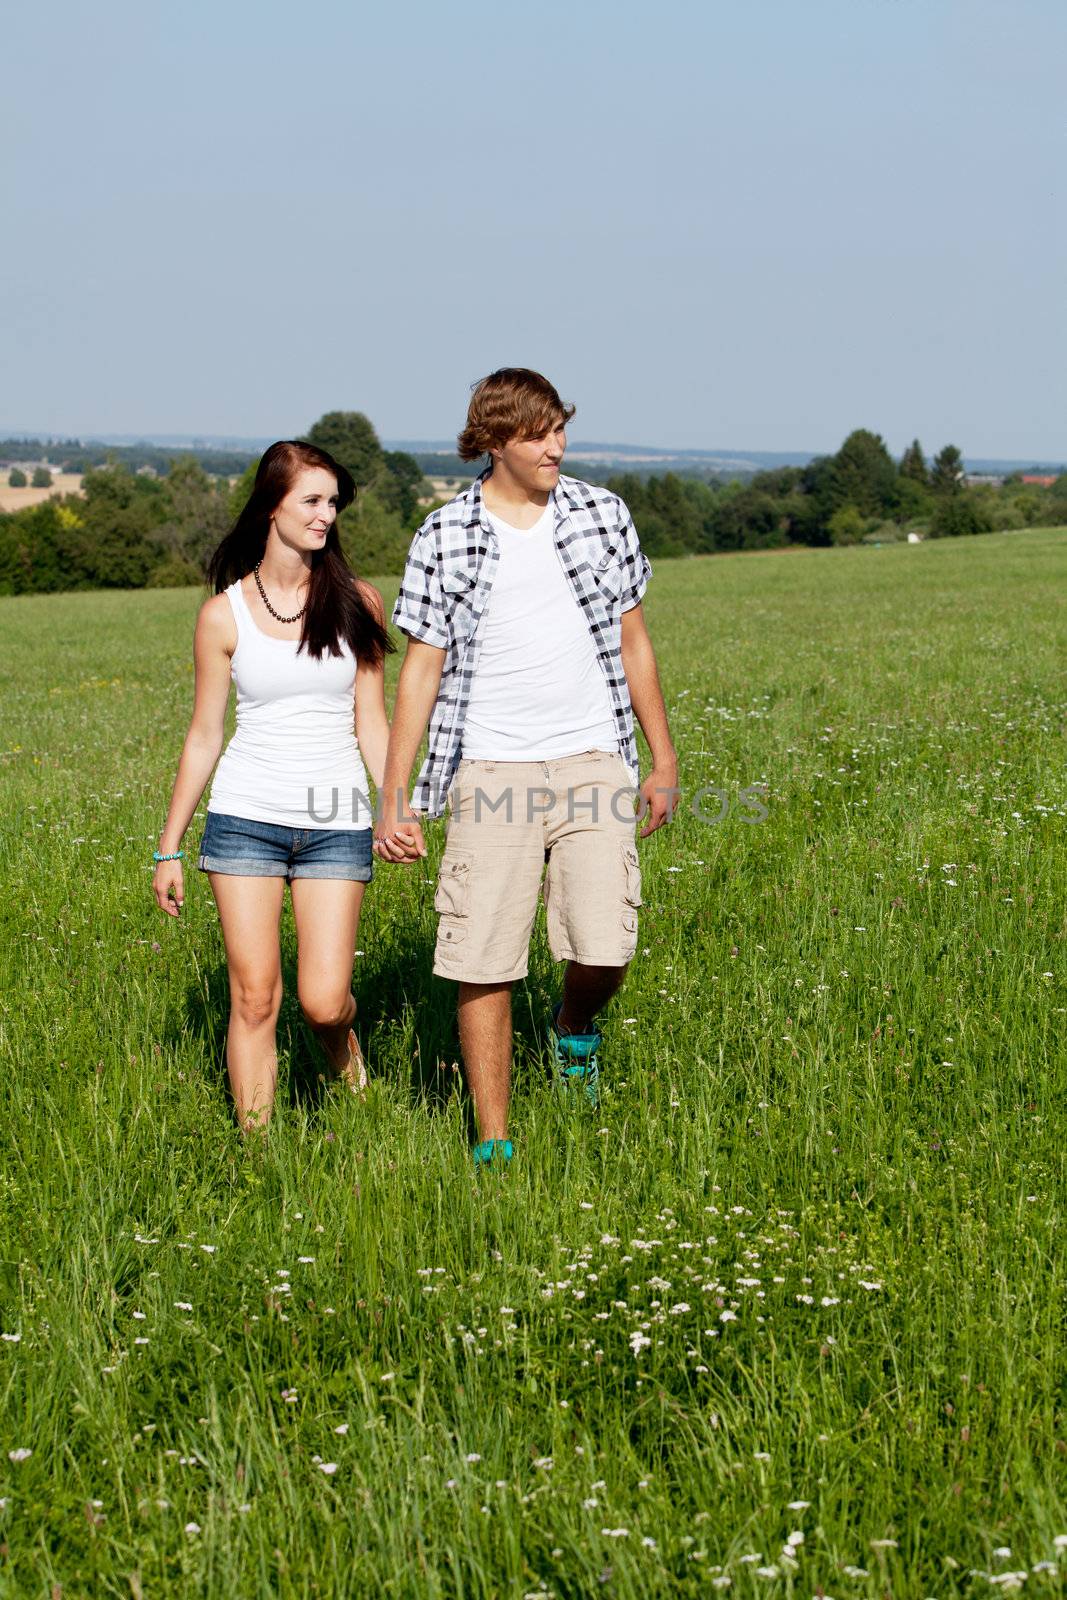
x=534 y=463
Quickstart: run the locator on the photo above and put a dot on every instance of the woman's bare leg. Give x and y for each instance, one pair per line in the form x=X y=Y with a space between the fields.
x=327 y=920
x=250 y=912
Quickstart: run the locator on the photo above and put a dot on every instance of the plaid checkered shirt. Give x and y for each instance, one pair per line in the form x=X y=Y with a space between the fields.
x=446 y=586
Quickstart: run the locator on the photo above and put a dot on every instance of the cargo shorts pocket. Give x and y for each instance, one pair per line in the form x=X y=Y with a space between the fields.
x=631 y=898
x=452 y=896
x=632 y=871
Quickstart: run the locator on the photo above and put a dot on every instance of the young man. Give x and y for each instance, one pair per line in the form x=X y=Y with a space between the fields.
x=521 y=600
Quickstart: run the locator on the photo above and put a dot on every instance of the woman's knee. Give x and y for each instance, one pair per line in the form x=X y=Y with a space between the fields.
x=256 y=1004
x=326 y=1007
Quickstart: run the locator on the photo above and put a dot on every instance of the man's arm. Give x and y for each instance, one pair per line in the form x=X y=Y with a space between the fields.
x=659 y=792
x=397 y=836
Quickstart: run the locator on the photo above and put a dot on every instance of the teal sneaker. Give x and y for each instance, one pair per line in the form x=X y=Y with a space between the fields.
x=492 y=1152
x=575 y=1060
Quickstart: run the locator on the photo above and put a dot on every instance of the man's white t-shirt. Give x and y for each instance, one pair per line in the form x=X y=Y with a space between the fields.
x=538 y=691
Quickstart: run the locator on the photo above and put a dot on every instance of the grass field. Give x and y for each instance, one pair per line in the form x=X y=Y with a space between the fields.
x=786 y=1317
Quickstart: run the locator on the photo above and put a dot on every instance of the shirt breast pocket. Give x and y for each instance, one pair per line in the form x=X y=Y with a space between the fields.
x=610 y=577
x=460 y=585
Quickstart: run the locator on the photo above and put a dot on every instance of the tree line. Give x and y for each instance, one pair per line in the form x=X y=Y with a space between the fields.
x=127 y=530
x=861 y=494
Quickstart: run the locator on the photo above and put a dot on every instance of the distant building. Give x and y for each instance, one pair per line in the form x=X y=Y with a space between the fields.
x=989 y=480
x=1044 y=479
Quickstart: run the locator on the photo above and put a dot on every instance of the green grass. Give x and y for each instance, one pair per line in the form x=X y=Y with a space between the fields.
x=837 y=1068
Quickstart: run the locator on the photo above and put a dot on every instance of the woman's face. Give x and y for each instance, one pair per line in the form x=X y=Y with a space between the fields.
x=304 y=518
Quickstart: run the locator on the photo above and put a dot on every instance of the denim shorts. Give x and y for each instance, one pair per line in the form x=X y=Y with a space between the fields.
x=242 y=848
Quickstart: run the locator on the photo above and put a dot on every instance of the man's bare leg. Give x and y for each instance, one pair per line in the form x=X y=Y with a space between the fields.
x=485 y=1039
x=585 y=991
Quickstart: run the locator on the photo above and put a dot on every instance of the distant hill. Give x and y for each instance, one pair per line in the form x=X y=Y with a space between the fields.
x=646 y=458
x=437 y=457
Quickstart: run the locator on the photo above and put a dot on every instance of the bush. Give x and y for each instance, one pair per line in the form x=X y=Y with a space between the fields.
x=174 y=572
x=959 y=514
x=42 y=478
x=16 y=478
x=847 y=526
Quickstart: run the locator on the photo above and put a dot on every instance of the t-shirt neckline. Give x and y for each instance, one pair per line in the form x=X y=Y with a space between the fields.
x=502 y=522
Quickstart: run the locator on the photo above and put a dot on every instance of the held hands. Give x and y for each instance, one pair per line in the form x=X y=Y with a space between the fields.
x=168 y=885
x=398 y=836
x=399 y=845
x=660 y=795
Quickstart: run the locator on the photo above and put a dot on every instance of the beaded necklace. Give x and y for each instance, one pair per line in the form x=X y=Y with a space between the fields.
x=263 y=596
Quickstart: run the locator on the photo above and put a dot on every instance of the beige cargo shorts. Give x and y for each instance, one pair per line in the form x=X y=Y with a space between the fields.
x=508 y=819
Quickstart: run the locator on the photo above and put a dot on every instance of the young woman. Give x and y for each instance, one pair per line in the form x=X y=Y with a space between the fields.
x=304 y=641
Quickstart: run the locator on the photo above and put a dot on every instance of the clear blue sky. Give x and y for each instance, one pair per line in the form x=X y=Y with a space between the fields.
x=753 y=224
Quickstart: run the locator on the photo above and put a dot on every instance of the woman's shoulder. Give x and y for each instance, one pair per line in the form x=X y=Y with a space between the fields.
x=216 y=623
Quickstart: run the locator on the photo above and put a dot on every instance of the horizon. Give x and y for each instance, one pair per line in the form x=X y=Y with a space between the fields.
x=581 y=450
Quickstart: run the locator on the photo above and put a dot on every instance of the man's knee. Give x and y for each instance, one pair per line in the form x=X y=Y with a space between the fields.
x=608 y=978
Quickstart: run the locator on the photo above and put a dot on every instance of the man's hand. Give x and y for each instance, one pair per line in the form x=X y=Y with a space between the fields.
x=660 y=795
x=398 y=838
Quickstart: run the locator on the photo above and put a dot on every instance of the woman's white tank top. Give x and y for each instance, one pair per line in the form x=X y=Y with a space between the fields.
x=293 y=759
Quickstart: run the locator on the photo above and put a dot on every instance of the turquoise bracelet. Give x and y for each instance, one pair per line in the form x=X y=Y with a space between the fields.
x=179 y=855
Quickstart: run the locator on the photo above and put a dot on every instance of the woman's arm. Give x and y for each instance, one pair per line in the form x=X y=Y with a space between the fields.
x=372 y=724
x=213 y=645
